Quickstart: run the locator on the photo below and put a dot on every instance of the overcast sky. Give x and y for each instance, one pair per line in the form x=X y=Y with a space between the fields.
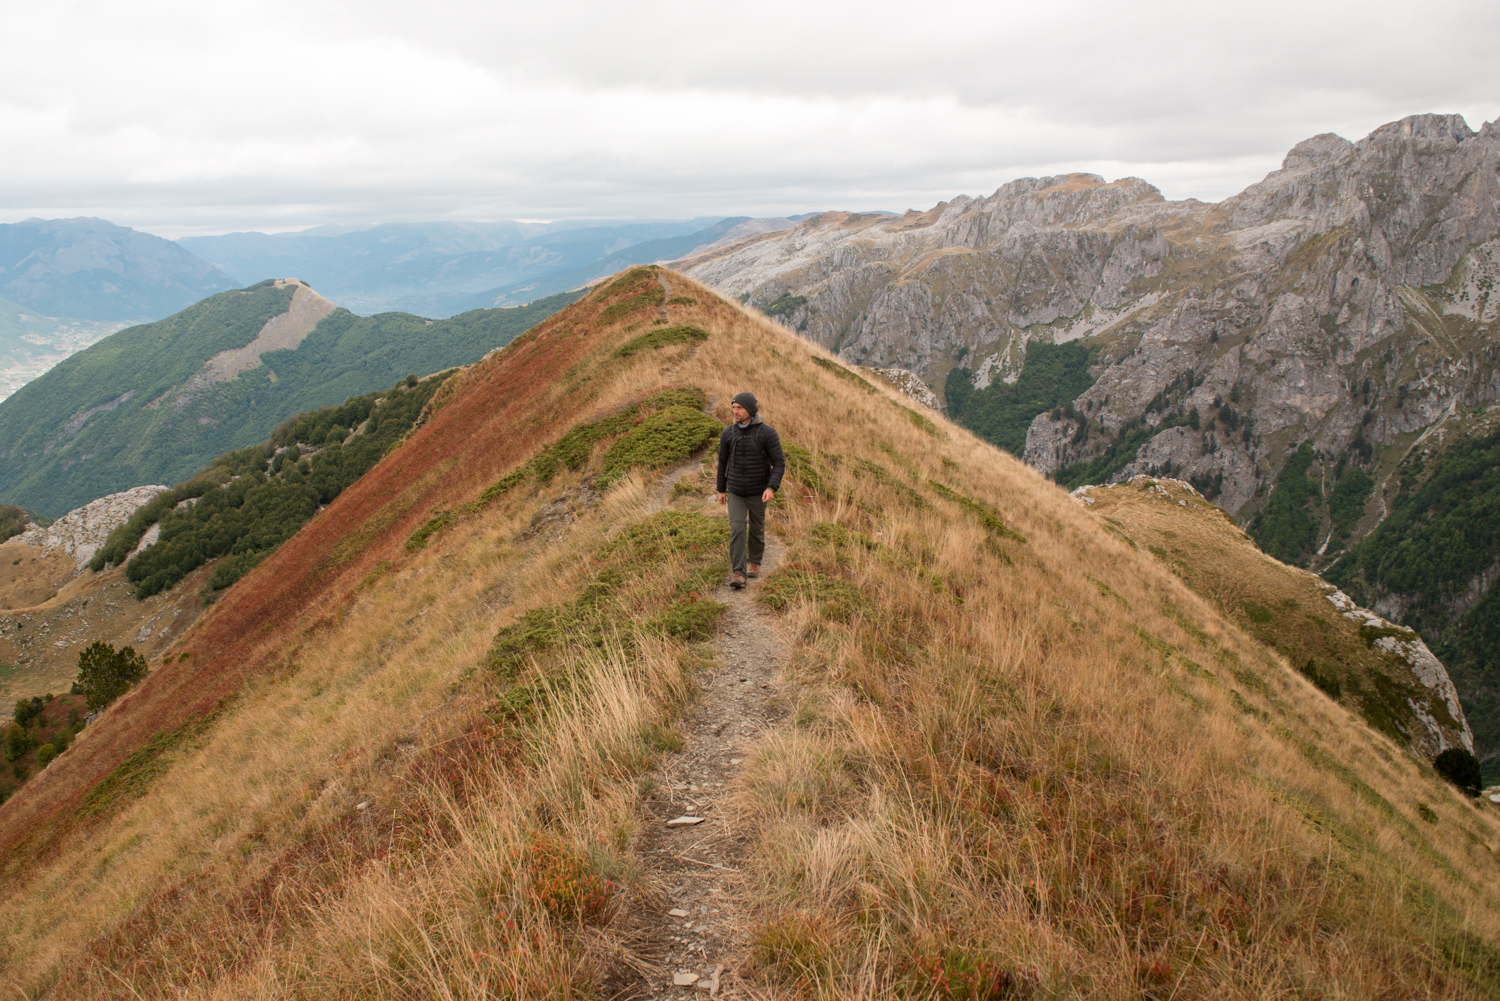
x=193 y=117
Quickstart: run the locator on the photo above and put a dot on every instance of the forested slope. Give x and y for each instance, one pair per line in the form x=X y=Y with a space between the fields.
x=157 y=402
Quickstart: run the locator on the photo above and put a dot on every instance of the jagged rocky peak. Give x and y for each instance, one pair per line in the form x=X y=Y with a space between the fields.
x=1341 y=301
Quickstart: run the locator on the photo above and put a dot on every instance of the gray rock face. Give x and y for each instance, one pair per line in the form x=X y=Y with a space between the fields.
x=1425 y=667
x=1347 y=297
x=81 y=532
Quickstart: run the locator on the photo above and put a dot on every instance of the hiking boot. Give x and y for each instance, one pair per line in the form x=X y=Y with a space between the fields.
x=753 y=571
x=737 y=580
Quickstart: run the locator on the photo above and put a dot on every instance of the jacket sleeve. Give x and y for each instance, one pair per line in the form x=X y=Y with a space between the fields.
x=778 y=460
x=723 y=480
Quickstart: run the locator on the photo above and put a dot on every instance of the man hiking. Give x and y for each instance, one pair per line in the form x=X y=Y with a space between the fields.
x=750 y=468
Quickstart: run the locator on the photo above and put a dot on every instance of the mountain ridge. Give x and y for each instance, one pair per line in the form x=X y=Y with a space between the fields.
x=1013 y=753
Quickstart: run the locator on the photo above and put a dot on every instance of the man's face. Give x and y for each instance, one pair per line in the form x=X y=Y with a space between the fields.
x=741 y=415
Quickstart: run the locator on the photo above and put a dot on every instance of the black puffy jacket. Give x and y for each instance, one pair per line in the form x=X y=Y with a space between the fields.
x=750 y=459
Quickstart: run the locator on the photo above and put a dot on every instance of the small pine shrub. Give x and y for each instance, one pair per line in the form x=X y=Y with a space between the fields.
x=853 y=378
x=664 y=337
x=668 y=436
x=1321 y=675
x=1461 y=768
x=1259 y=614
x=690 y=619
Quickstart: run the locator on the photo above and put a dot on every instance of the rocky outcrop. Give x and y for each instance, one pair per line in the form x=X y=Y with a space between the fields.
x=908 y=384
x=81 y=532
x=1346 y=298
x=1398 y=641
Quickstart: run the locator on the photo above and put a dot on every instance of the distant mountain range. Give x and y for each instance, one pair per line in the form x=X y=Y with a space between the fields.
x=156 y=402
x=89 y=269
x=439 y=269
x=66 y=283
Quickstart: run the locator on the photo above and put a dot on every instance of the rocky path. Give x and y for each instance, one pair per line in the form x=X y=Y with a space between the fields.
x=685 y=930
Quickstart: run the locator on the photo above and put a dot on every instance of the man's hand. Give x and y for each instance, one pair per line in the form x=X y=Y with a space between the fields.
x=723 y=498
x=766 y=497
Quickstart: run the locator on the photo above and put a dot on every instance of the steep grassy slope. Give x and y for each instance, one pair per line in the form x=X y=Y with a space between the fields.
x=406 y=755
x=157 y=402
x=1291 y=611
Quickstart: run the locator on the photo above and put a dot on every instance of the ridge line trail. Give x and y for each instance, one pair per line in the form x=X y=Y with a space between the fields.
x=695 y=870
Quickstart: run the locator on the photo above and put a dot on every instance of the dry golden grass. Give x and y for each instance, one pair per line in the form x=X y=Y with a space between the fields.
x=1020 y=768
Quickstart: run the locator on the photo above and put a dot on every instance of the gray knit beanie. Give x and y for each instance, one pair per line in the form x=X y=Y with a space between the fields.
x=748 y=401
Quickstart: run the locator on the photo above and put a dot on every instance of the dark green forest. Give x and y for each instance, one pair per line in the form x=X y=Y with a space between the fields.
x=1053 y=375
x=116 y=415
x=1285 y=527
x=1441 y=534
x=248 y=502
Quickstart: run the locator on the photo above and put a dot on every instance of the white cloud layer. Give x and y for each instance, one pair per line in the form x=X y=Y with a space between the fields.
x=184 y=117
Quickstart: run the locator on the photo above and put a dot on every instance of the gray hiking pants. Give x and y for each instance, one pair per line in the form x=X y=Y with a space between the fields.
x=741 y=511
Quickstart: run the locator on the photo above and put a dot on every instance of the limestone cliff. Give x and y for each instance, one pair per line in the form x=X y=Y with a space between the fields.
x=1345 y=300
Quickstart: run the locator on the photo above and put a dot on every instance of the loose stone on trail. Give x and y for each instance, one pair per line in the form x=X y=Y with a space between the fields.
x=685 y=821
x=677 y=912
x=684 y=979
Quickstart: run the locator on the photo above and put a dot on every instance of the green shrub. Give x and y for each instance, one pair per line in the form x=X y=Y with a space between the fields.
x=668 y=436
x=661 y=338
x=690 y=619
x=104 y=674
x=434 y=524
x=45 y=754
x=17 y=742
x=649 y=298
x=1427 y=813
x=835 y=599
x=784 y=303
x=801 y=465
x=1461 y=768
x=1322 y=676
x=848 y=375
x=595 y=617
x=922 y=423
x=573 y=449
x=986 y=515
x=1259 y=614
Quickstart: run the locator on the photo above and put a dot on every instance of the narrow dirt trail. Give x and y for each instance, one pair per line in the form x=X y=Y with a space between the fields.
x=686 y=930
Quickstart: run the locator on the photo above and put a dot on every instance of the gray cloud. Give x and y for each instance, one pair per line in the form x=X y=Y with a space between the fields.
x=183 y=117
